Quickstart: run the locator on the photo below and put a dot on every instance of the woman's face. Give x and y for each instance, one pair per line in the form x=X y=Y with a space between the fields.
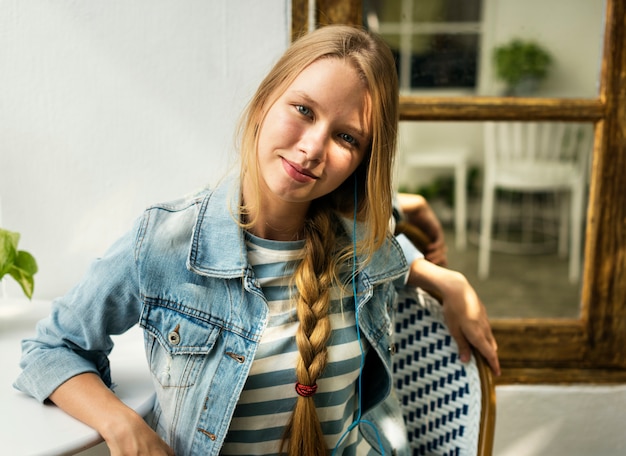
x=315 y=135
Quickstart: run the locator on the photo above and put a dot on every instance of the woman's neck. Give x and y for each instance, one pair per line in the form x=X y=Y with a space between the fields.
x=274 y=218
x=266 y=230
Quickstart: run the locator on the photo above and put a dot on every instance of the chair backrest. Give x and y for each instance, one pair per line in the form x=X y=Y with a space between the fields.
x=524 y=141
x=448 y=406
x=536 y=155
x=536 y=142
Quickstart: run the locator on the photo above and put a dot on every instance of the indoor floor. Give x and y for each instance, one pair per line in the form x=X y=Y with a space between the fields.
x=528 y=286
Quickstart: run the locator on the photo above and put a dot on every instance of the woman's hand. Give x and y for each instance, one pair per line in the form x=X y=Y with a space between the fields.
x=130 y=435
x=87 y=399
x=467 y=321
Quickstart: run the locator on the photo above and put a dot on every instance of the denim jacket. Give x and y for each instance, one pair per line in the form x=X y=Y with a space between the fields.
x=182 y=273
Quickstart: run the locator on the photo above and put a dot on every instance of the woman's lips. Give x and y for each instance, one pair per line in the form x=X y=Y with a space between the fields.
x=298 y=173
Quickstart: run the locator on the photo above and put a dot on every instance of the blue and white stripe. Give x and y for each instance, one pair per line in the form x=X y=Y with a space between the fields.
x=269 y=395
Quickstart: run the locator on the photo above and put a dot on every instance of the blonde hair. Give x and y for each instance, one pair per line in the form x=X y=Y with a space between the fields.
x=319 y=270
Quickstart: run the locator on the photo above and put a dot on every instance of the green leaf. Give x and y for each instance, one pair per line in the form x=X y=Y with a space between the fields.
x=519 y=59
x=25 y=280
x=18 y=264
x=8 y=250
x=26 y=262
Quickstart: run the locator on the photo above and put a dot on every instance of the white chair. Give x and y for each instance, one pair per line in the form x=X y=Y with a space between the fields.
x=448 y=406
x=531 y=157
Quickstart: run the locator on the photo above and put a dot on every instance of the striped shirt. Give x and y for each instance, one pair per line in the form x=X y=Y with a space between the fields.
x=269 y=395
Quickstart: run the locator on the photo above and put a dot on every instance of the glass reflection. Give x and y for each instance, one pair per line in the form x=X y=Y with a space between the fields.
x=534 y=177
x=448 y=47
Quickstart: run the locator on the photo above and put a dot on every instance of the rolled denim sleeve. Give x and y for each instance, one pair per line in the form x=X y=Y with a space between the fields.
x=411 y=253
x=76 y=337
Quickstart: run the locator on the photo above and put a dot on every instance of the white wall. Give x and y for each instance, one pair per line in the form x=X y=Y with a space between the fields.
x=106 y=107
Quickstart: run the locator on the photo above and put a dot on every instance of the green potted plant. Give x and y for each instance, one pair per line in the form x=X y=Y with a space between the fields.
x=522 y=65
x=18 y=264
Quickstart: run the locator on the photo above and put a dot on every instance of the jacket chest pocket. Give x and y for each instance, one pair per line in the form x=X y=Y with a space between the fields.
x=177 y=344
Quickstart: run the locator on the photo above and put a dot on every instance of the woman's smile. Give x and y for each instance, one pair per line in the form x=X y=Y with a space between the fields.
x=298 y=173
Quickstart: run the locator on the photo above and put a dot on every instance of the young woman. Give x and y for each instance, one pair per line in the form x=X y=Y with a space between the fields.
x=266 y=302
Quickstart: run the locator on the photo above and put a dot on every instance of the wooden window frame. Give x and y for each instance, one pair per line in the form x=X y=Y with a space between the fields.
x=591 y=348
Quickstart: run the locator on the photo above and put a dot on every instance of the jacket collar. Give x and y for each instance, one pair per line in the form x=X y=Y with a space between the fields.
x=218 y=246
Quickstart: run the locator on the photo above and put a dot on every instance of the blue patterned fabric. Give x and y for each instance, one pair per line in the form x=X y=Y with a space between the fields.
x=440 y=396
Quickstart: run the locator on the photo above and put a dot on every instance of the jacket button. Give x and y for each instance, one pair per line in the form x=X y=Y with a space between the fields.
x=173 y=338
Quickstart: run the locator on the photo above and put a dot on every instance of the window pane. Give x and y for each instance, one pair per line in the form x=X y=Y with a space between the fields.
x=435 y=42
x=424 y=33
x=444 y=61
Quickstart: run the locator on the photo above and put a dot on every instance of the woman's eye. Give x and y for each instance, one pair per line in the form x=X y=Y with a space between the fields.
x=347 y=138
x=304 y=110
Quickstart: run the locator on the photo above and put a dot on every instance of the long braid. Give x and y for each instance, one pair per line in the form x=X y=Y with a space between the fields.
x=313 y=278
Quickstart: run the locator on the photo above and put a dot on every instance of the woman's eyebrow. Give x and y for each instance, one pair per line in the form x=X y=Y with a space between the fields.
x=304 y=95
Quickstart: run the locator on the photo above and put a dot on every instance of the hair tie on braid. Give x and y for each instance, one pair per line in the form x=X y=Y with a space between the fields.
x=306 y=390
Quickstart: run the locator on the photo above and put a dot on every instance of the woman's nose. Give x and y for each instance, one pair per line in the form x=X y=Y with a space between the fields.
x=313 y=142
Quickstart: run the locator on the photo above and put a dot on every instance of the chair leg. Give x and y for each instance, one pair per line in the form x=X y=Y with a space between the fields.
x=486 y=226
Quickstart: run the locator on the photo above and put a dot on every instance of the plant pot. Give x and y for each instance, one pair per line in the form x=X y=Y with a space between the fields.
x=527 y=86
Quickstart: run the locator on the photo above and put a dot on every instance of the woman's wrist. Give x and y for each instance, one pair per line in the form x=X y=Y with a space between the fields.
x=433 y=278
x=117 y=422
x=453 y=282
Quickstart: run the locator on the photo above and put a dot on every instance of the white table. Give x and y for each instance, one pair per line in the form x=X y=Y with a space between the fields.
x=448 y=157
x=30 y=428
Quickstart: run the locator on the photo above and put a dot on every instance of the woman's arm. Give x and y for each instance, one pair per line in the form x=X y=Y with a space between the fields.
x=465 y=314
x=67 y=360
x=87 y=398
